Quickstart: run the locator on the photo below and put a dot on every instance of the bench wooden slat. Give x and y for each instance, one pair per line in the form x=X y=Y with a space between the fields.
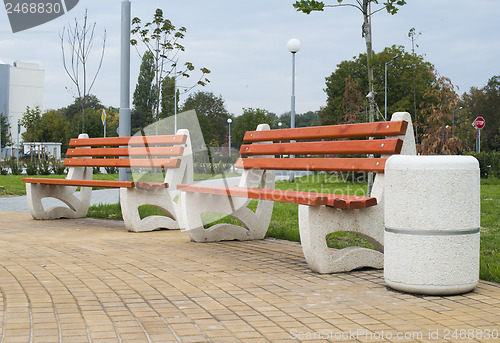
x=376 y=129
x=83 y=183
x=379 y=146
x=347 y=202
x=314 y=164
x=123 y=141
x=123 y=162
x=98 y=183
x=126 y=151
x=259 y=193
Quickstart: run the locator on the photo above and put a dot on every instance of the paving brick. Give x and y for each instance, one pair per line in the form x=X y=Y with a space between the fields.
x=102 y=282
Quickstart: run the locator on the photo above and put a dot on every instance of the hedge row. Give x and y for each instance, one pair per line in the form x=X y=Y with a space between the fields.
x=489 y=163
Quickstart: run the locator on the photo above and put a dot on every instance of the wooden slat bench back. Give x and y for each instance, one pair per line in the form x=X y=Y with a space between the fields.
x=143 y=151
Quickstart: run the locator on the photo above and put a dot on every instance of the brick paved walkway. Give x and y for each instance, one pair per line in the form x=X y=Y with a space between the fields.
x=89 y=280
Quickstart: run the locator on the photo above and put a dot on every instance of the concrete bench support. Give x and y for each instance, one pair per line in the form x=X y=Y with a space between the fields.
x=432 y=219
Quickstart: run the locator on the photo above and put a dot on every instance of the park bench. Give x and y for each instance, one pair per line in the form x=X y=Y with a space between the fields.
x=141 y=153
x=319 y=213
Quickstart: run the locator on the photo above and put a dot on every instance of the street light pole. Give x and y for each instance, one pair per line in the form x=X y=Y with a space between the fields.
x=453 y=121
x=1 y=117
x=293 y=46
x=125 y=113
x=18 y=142
x=229 y=121
x=387 y=63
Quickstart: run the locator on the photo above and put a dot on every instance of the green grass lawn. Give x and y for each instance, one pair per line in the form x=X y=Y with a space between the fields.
x=284 y=222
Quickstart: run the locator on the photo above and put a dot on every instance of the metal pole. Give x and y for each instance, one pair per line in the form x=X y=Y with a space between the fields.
x=229 y=139
x=175 y=98
x=453 y=121
x=1 y=116
x=479 y=141
x=453 y=124
x=18 y=143
x=385 y=92
x=125 y=113
x=292 y=112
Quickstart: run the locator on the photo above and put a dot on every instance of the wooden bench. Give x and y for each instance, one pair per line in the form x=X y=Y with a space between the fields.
x=169 y=152
x=319 y=213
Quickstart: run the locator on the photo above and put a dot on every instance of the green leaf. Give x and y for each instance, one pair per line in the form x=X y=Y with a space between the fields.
x=307 y=6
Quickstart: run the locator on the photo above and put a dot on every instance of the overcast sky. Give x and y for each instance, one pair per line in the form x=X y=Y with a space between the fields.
x=243 y=43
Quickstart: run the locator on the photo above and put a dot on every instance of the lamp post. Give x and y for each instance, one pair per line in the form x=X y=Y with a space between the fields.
x=229 y=121
x=125 y=113
x=453 y=121
x=279 y=125
x=293 y=46
x=387 y=63
x=1 y=117
x=18 y=143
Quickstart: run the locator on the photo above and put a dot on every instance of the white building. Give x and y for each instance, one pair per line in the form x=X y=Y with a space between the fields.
x=21 y=85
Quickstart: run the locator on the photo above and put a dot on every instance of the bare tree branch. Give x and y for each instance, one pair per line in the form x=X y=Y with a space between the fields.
x=79 y=40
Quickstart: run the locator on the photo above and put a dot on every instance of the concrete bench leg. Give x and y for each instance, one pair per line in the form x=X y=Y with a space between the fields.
x=132 y=198
x=254 y=225
x=77 y=202
x=315 y=222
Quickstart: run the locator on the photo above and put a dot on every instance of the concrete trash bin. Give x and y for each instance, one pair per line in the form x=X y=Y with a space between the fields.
x=432 y=219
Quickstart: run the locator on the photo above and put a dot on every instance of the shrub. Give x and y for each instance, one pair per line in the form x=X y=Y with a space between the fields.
x=31 y=166
x=111 y=170
x=489 y=163
x=44 y=166
x=15 y=169
x=3 y=169
x=58 y=167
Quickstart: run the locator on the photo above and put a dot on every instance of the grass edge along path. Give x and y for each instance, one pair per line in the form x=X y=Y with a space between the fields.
x=284 y=223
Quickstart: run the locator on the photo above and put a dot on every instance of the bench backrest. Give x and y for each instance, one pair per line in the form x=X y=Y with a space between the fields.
x=171 y=152
x=318 y=146
x=141 y=151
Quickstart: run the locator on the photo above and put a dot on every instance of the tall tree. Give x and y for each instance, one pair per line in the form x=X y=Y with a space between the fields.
x=162 y=40
x=351 y=76
x=144 y=99
x=483 y=102
x=77 y=42
x=92 y=102
x=248 y=121
x=301 y=120
x=54 y=127
x=4 y=131
x=32 y=122
x=212 y=115
x=437 y=112
x=364 y=6
x=353 y=103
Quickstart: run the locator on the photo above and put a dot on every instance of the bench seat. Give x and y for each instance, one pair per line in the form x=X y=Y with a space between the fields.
x=345 y=202
x=98 y=183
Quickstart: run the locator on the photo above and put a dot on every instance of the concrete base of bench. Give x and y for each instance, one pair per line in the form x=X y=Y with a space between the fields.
x=132 y=198
x=77 y=202
x=254 y=225
x=316 y=222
